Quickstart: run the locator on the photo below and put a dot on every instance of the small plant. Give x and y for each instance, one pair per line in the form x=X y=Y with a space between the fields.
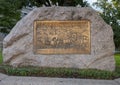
x=59 y=72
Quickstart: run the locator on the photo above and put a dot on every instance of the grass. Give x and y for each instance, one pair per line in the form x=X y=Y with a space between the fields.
x=1 y=59
x=117 y=59
x=62 y=72
x=59 y=72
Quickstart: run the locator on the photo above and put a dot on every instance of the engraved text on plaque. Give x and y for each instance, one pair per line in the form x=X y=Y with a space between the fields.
x=62 y=37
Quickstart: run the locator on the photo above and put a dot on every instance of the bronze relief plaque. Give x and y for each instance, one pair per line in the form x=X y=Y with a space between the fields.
x=62 y=37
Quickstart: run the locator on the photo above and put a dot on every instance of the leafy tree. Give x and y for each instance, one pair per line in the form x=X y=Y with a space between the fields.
x=9 y=13
x=111 y=14
x=59 y=2
x=116 y=25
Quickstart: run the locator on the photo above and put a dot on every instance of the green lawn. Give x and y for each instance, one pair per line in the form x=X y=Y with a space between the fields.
x=117 y=59
x=0 y=56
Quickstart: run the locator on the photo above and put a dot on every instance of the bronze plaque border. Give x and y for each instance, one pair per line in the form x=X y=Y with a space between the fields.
x=59 y=51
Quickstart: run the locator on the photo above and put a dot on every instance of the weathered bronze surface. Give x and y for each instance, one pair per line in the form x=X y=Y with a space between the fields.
x=62 y=37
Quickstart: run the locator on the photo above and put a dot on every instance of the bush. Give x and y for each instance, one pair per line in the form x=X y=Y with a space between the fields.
x=59 y=72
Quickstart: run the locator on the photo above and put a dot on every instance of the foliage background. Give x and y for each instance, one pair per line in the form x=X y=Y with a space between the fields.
x=111 y=14
x=9 y=14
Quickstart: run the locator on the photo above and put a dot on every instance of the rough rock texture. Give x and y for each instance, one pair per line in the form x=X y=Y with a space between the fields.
x=18 y=45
